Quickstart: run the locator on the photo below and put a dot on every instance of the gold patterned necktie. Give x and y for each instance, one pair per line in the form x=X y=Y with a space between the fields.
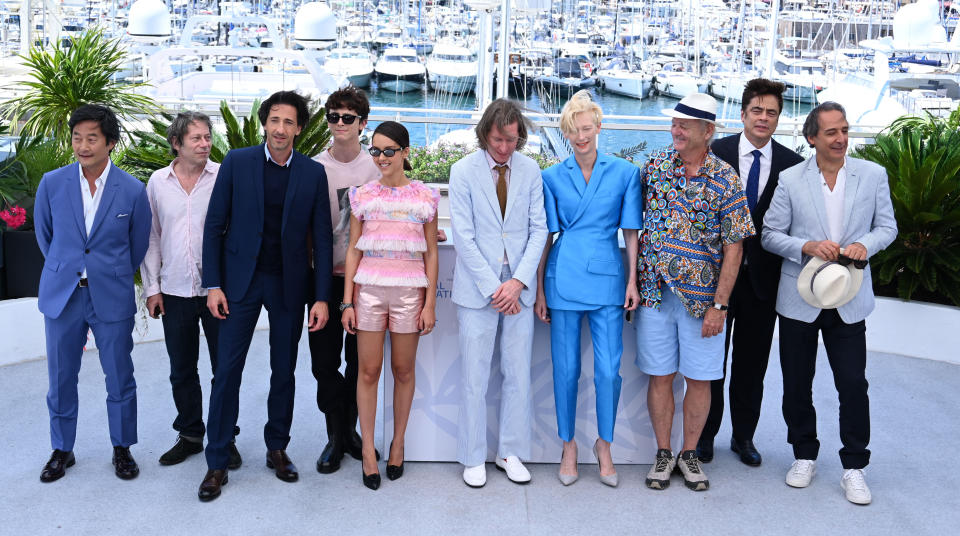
x=502 y=187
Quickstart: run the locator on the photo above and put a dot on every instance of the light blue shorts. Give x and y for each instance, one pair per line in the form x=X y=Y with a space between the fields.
x=669 y=341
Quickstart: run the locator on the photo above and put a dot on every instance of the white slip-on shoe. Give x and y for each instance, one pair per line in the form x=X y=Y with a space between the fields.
x=515 y=470
x=855 y=486
x=801 y=473
x=475 y=476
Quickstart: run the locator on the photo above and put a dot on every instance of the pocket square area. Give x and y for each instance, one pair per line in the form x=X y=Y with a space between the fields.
x=122 y=215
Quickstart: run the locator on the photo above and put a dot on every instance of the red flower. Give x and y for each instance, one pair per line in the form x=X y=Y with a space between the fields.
x=14 y=217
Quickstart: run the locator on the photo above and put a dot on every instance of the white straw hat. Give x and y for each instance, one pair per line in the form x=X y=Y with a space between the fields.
x=695 y=106
x=828 y=284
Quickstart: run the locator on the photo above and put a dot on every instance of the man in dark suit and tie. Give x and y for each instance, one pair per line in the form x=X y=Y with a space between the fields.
x=93 y=226
x=759 y=160
x=268 y=204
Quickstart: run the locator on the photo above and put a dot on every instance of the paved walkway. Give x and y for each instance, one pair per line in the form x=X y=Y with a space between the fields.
x=915 y=423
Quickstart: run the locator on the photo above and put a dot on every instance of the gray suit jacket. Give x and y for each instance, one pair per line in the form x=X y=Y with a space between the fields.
x=481 y=234
x=798 y=214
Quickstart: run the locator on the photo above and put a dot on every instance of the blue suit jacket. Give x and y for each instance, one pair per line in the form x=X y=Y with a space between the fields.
x=112 y=252
x=481 y=234
x=585 y=268
x=233 y=230
x=798 y=214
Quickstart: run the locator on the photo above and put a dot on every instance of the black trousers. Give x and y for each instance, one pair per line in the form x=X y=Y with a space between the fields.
x=750 y=323
x=847 y=353
x=181 y=327
x=335 y=391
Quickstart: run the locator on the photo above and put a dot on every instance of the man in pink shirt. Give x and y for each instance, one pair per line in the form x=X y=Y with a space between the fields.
x=347 y=164
x=179 y=195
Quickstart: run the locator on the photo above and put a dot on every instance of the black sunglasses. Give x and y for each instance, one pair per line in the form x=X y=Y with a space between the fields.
x=334 y=118
x=843 y=260
x=374 y=152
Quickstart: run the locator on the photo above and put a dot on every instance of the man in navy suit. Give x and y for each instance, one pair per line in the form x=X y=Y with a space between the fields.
x=93 y=227
x=758 y=159
x=268 y=205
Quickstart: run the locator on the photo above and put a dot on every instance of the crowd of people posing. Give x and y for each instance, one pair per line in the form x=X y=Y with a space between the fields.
x=721 y=237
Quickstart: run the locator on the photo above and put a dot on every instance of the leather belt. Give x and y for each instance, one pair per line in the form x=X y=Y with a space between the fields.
x=83 y=283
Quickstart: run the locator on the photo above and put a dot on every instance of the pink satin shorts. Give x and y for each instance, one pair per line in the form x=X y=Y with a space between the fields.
x=396 y=309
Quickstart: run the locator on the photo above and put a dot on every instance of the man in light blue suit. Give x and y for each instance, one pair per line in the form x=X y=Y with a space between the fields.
x=832 y=211
x=499 y=229
x=93 y=227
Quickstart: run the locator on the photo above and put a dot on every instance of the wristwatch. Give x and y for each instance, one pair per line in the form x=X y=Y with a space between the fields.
x=717 y=306
x=344 y=306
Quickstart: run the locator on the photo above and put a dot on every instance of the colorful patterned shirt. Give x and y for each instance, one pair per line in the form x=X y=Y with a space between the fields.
x=686 y=224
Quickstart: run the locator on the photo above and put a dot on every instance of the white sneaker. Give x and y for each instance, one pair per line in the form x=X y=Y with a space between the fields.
x=515 y=470
x=801 y=473
x=855 y=486
x=475 y=476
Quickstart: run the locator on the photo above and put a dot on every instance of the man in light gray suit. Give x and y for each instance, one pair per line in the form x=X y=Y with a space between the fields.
x=499 y=230
x=836 y=209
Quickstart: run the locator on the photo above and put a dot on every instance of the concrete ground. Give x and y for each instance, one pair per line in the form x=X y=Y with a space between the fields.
x=914 y=417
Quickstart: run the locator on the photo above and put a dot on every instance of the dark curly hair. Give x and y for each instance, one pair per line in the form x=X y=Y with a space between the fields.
x=292 y=98
x=762 y=86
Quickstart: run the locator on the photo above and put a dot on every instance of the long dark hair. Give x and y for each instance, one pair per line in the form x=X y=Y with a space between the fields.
x=398 y=134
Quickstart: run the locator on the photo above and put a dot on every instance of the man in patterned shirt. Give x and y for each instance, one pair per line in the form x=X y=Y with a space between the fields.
x=695 y=218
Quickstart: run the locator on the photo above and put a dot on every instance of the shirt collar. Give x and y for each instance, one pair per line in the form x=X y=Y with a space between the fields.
x=208 y=169
x=101 y=180
x=493 y=163
x=747 y=147
x=270 y=158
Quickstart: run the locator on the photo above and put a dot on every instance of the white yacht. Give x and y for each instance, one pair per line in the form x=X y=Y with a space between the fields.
x=399 y=69
x=675 y=80
x=452 y=69
x=354 y=63
x=625 y=77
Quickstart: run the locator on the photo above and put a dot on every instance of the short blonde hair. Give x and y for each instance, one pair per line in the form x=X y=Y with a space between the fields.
x=580 y=102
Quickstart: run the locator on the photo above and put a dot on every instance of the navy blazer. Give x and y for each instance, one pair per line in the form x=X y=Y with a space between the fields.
x=585 y=267
x=764 y=266
x=112 y=252
x=233 y=230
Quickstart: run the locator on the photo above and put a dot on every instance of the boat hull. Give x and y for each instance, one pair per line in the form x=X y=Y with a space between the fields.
x=452 y=83
x=635 y=87
x=400 y=83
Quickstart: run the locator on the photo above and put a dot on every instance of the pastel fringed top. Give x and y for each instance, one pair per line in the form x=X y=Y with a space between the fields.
x=392 y=240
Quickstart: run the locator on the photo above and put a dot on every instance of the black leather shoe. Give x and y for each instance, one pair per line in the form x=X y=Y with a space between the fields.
x=57 y=465
x=394 y=471
x=352 y=444
x=181 y=450
x=329 y=460
x=371 y=481
x=279 y=462
x=212 y=482
x=124 y=465
x=748 y=453
x=234 y=460
x=705 y=450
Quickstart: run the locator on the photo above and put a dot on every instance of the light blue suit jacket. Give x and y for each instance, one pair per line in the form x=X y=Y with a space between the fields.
x=585 y=268
x=481 y=234
x=798 y=214
x=112 y=252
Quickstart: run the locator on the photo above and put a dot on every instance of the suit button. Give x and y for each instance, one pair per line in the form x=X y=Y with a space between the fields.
x=79 y=273
x=86 y=251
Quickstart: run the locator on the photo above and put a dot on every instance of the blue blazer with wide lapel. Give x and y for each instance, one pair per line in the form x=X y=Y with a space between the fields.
x=585 y=268
x=764 y=266
x=798 y=214
x=481 y=234
x=233 y=229
x=111 y=253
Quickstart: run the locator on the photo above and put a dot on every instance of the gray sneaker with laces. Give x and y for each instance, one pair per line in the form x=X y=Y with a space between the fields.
x=692 y=471
x=659 y=475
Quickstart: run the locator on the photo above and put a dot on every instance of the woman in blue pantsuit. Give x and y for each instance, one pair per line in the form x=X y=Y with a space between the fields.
x=587 y=197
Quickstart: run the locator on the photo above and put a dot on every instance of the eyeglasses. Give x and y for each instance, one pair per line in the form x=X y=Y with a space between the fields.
x=374 y=152
x=843 y=260
x=334 y=118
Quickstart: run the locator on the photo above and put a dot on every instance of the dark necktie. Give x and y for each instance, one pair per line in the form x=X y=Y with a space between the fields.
x=502 y=188
x=753 y=180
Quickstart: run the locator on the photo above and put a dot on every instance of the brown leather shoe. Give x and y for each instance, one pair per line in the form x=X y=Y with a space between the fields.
x=278 y=461
x=212 y=482
x=56 y=467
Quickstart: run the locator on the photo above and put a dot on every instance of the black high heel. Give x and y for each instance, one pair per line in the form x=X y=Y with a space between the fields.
x=372 y=480
x=394 y=471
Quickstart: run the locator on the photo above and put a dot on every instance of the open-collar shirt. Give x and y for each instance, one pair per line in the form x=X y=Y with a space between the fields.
x=91 y=202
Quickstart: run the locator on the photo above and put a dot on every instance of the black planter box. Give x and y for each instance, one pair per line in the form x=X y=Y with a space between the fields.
x=23 y=264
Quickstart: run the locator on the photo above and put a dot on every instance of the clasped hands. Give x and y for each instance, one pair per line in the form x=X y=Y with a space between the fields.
x=506 y=299
x=829 y=250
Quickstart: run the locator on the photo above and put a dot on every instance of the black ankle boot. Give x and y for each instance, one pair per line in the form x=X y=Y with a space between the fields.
x=329 y=460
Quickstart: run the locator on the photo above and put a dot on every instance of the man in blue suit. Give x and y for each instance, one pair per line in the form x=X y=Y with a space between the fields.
x=268 y=204
x=93 y=227
x=834 y=211
x=499 y=229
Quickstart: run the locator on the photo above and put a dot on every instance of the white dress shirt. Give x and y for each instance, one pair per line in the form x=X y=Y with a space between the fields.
x=833 y=200
x=173 y=264
x=746 y=160
x=91 y=202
